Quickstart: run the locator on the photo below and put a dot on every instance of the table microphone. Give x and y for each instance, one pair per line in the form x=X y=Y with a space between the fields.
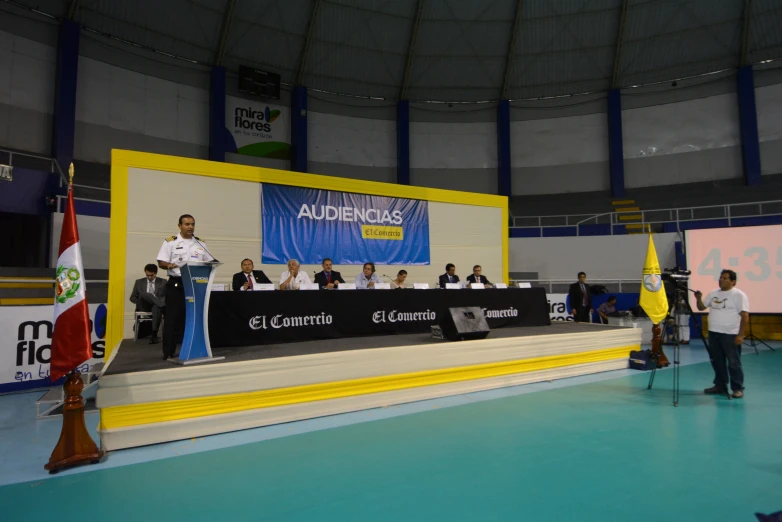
x=388 y=278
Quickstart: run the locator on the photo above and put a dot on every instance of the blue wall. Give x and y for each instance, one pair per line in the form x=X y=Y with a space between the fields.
x=26 y=193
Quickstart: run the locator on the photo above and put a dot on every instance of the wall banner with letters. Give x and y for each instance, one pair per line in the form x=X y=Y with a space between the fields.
x=257 y=129
x=351 y=229
x=25 y=345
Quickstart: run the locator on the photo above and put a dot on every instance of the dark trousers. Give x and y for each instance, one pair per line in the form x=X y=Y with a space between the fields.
x=174 y=325
x=150 y=303
x=726 y=360
x=583 y=315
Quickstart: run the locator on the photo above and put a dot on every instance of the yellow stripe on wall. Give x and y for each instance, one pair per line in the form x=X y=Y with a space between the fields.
x=26 y=285
x=165 y=411
x=25 y=301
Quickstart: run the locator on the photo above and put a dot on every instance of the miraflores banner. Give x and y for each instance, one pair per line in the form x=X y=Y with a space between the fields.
x=257 y=128
x=352 y=229
x=25 y=344
x=558 y=307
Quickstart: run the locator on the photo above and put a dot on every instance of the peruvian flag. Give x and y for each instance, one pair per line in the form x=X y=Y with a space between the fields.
x=71 y=340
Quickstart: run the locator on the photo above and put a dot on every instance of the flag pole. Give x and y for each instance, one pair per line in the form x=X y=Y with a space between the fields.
x=75 y=445
x=657 y=343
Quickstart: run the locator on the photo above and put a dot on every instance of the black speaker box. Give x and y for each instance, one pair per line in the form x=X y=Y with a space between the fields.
x=464 y=323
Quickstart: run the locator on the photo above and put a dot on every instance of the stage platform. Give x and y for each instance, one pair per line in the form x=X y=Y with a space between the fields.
x=145 y=400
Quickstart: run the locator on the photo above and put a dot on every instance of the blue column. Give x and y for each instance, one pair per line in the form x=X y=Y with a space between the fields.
x=748 y=123
x=681 y=258
x=64 y=119
x=299 y=129
x=503 y=149
x=615 y=145
x=217 y=139
x=403 y=142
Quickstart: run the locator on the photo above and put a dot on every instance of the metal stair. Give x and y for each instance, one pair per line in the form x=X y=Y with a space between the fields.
x=50 y=405
x=629 y=215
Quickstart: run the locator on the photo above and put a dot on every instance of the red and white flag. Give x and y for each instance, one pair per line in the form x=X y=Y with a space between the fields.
x=71 y=339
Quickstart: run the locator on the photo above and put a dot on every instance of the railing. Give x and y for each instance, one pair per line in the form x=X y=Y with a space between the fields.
x=61 y=199
x=53 y=165
x=90 y=187
x=630 y=285
x=651 y=217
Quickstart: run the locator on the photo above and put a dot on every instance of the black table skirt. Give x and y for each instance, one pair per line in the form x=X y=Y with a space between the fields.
x=255 y=318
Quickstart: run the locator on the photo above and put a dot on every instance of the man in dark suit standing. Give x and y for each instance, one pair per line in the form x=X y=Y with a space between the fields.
x=328 y=278
x=246 y=280
x=149 y=295
x=581 y=300
x=476 y=276
x=449 y=276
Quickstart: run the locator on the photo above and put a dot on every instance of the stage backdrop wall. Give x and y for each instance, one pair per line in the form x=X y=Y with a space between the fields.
x=601 y=257
x=464 y=229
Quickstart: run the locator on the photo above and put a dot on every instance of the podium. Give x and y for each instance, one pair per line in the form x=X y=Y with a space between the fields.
x=197 y=281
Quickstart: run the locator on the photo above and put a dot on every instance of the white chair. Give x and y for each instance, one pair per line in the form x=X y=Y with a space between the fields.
x=141 y=317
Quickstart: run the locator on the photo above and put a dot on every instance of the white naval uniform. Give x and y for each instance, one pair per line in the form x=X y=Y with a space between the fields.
x=179 y=251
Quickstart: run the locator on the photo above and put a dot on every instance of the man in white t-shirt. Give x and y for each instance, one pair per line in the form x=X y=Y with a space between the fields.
x=728 y=318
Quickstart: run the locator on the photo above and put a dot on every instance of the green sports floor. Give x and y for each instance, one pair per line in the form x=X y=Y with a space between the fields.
x=597 y=448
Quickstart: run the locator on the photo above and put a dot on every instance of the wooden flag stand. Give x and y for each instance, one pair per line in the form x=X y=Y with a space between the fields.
x=75 y=445
x=657 y=349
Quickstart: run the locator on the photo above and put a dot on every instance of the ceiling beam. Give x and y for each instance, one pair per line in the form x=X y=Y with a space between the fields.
x=743 y=58
x=228 y=16
x=305 y=50
x=511 y=50
x=619 y=38
x=411 y=49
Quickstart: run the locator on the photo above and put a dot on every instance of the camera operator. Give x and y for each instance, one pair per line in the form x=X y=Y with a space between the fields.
x=728 y=319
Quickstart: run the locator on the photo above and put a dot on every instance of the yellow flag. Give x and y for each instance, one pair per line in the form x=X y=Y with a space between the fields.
x=653 y=299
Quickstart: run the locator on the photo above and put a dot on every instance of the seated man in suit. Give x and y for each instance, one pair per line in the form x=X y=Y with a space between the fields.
x=449 y=276
x=245 y=280
x=328 y=278
x=476 y=276
x=581 y=300
x=149 y=295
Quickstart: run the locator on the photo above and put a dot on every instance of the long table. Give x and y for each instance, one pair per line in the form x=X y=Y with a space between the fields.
x=256 y=318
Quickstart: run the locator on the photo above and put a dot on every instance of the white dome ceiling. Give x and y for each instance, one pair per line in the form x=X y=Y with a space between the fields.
x=446 y=50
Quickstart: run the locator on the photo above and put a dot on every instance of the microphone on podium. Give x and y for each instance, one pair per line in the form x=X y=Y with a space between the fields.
x=214 y=259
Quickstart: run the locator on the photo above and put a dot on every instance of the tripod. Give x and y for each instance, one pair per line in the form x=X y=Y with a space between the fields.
x=674 y=337
x=752 y=339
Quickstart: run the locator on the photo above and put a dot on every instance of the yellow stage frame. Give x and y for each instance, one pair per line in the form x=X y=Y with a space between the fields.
x=122 y=160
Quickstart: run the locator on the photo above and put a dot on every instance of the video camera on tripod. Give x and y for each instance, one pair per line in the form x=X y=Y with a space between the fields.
x=676 y=274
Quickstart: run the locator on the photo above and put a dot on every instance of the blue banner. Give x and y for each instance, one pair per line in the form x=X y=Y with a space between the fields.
x=351 y=229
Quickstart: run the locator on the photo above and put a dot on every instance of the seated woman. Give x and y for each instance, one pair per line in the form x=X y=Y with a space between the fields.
x=399 y=282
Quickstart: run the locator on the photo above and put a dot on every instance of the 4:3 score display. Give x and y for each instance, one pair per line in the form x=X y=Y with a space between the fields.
x=763 y=266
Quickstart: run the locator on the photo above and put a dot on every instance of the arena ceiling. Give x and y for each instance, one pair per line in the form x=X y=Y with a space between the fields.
x=445 y=50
